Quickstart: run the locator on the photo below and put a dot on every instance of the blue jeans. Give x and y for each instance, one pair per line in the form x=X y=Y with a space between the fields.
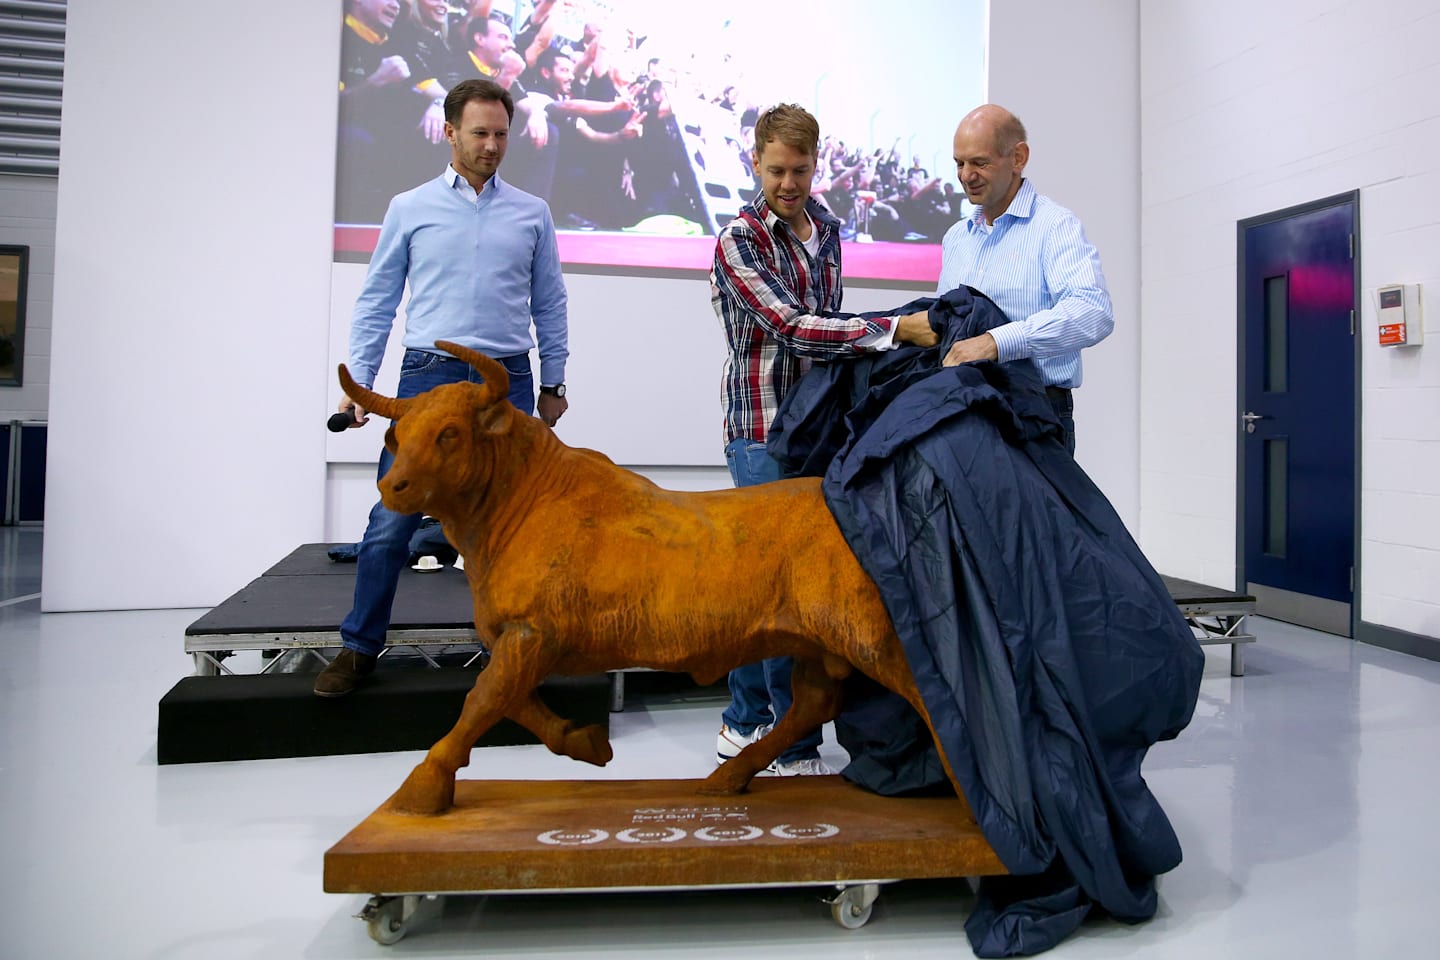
x=760 y=692
x=385 y=548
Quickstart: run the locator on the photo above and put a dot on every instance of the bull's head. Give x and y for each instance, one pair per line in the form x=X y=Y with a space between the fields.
x=443 y=439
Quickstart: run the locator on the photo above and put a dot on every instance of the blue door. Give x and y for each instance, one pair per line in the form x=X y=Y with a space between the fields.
x=29 y=496
x=7 y=473
x=1297 y=412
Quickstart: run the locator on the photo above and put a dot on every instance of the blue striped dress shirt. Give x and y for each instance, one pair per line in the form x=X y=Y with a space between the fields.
x=1037 y=266
x=480 y=268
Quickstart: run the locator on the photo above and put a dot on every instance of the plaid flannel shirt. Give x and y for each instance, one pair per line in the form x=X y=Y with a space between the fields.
x=779 y=308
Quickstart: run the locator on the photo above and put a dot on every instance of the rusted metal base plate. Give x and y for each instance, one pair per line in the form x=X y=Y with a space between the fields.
x=505 y=835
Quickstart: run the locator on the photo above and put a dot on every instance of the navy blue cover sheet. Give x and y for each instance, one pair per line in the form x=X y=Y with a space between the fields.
x=1048 y=652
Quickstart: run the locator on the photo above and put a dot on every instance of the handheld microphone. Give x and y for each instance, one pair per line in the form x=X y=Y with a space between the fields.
x=340 y=422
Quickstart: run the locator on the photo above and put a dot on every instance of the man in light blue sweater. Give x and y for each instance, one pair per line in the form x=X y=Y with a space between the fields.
x=481 y=260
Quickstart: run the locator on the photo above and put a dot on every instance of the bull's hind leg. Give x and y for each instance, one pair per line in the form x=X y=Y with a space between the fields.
x=519 y=661
x=816 y=685
x=589 y=743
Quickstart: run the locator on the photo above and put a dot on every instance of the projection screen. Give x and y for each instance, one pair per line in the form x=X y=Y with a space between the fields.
x=637 y=125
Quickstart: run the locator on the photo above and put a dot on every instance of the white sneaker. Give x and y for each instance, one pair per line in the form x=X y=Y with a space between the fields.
x=729 y=743
x=802 y=768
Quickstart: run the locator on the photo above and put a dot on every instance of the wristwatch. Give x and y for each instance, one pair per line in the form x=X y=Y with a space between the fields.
x=556 y=391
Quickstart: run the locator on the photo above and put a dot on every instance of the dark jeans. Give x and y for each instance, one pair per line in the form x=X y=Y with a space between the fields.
x=1062 y=401
x=385 y=549
x=760 y=692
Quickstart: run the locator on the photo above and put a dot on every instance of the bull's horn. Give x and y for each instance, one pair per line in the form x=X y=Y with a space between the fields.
x=497 y=381
x=385 y=406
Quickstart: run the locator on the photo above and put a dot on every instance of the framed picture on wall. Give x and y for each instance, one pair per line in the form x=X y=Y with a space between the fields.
x=14 y=268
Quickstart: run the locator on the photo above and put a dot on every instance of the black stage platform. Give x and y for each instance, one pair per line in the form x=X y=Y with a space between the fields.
x=262 y=716
x=1215 y=616
x=300 y=601
x=293 y=611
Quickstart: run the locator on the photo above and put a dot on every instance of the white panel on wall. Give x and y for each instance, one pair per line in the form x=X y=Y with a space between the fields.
x=349 y=494
x=643 y=378
x=192 y=265
x=644 y=372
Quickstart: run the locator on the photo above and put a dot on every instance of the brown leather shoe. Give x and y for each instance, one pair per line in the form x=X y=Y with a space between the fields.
x=344 y=673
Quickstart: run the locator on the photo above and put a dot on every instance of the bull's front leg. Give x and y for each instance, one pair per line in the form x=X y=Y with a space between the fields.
x=519 y=662
x=589 y=743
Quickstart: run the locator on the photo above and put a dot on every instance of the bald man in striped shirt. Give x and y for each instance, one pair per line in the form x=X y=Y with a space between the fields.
x=1028 y=254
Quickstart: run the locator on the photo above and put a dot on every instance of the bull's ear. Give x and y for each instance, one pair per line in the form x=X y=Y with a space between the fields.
x=390 y=443
x=495 y=418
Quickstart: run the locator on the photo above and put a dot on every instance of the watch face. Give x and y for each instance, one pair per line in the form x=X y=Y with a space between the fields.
x=557 y=391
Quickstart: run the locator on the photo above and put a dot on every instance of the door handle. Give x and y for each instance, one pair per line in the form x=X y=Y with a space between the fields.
x=1250 y=419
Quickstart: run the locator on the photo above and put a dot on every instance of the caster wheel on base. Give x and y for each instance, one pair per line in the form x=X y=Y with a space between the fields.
x=386 y=930
x=853 y=906
x=389 y=919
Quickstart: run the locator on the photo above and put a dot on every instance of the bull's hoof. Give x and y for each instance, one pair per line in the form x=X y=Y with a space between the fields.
x=590 y=744
x=726 y=781
x=428 y=791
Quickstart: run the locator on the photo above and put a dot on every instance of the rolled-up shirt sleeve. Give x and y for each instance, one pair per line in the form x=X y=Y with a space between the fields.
x=1082 y=315
x=744 y=274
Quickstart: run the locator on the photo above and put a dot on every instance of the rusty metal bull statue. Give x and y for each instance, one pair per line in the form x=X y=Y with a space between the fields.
x=578 y=566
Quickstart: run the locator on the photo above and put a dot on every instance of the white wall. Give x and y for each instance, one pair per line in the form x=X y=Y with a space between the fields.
x=27 y=216
x=1249 y=108
x=191 y=281
x=1071 y=72
x=193 y=273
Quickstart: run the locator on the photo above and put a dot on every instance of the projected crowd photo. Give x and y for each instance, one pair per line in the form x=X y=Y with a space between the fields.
x=635 y=118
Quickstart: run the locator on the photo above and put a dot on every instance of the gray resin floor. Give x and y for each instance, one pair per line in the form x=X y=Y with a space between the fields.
x=1304 y=795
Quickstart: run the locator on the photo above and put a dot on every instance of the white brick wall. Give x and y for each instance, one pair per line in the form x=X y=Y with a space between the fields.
x=1070 y=71
x=1249 y=108
x=27 y=216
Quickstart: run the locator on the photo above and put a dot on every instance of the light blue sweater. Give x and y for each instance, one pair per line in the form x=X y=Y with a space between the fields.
x=479 y=271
